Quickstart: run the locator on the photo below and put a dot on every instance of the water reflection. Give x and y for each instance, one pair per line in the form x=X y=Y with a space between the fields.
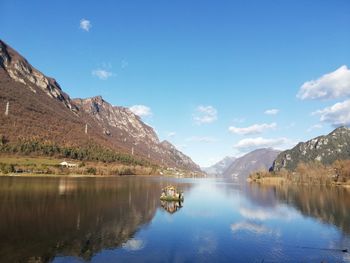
x=123 y=220
x=330 y=205
x=45 y=217
x=171 y=206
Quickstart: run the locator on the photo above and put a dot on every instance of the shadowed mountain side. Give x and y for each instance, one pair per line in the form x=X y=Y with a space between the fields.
x=260 y=159
x=218 y=168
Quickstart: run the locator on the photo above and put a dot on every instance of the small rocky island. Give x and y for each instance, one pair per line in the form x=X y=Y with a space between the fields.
x=171 y=193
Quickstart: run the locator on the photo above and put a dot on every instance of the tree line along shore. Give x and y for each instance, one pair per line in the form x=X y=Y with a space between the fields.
x=313 y=173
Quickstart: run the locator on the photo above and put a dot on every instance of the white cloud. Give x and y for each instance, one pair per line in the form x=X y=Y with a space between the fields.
x=259 y=142
x=102 y=74
x=202 y=139
x=266 y=214
x=332 y=85
x=314 y=127
x=141 y=110
x=272 y=111
x=205 y=114
x=251 y=227
x=85 y=25
x=253 y=129
x=337 y=115
x=134 y=245
x=171 y=134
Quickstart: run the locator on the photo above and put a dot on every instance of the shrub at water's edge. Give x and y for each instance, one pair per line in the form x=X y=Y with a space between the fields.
x=313 y=173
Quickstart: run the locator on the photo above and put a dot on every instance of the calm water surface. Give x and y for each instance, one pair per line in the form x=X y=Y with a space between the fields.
x=123 y=220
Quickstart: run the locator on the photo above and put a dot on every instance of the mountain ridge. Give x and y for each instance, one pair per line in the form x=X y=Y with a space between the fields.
x=324 y=149
x=38 y=109
x=219 y=167
x=259 y=159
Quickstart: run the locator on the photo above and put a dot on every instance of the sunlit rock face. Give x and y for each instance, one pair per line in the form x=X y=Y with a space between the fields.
x=19 y=69
x=118 y=117
x=122 y=124
x=324 y=149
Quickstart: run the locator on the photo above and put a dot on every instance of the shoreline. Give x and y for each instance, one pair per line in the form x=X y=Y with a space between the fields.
x=64 y=175
x=28 y=175
x=278 y=181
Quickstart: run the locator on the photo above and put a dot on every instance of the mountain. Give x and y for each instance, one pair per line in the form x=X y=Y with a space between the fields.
x=325 y=149
x=256 y=160
x=219 y=167
x=35 y=108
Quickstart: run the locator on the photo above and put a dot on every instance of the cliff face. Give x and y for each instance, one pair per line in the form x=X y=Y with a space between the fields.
x=34 y=107
x=120 y=124
x=108 y=116
x=325 y=149
x=18 y=68
x=178 y=157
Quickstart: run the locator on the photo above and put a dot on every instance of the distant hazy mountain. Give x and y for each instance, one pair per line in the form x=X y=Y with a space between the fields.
x=219 y=167
x=256 y=160
x=325 y=149
x=35 y=108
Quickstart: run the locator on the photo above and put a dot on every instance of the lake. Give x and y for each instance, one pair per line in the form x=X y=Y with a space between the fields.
x=123 y=220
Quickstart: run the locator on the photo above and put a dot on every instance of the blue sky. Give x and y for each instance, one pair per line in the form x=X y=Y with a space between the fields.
x=205 y=72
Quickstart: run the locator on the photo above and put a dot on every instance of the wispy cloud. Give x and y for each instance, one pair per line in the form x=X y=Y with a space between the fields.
x=253 y=129
x=202 y=139
x=171 y=134
x=314 y=127
x=85 y=25
x=329 y=86
x=124 y=64
x=102 y=74
x=249 y=144
x=239 y=120
x=336 y=115
x=141 y=110
x=251 y=227
x=205 y=115
x=271 y=111
x=266 y=214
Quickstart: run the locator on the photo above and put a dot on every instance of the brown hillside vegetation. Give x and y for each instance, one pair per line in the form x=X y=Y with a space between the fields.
x=38 y=118
x=309 y=173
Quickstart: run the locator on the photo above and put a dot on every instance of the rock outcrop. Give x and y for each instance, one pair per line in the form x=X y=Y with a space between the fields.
x=119 y=123
x=324 y=149
x=19 y=69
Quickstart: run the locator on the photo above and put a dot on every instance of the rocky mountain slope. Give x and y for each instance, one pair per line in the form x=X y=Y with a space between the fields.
x=325 y=149
x=218 y=168
x=34 y=107
x=260 y=159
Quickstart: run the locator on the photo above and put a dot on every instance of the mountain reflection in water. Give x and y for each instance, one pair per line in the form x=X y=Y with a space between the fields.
x=122 y=220
x=45 y=217
x=330 y=205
